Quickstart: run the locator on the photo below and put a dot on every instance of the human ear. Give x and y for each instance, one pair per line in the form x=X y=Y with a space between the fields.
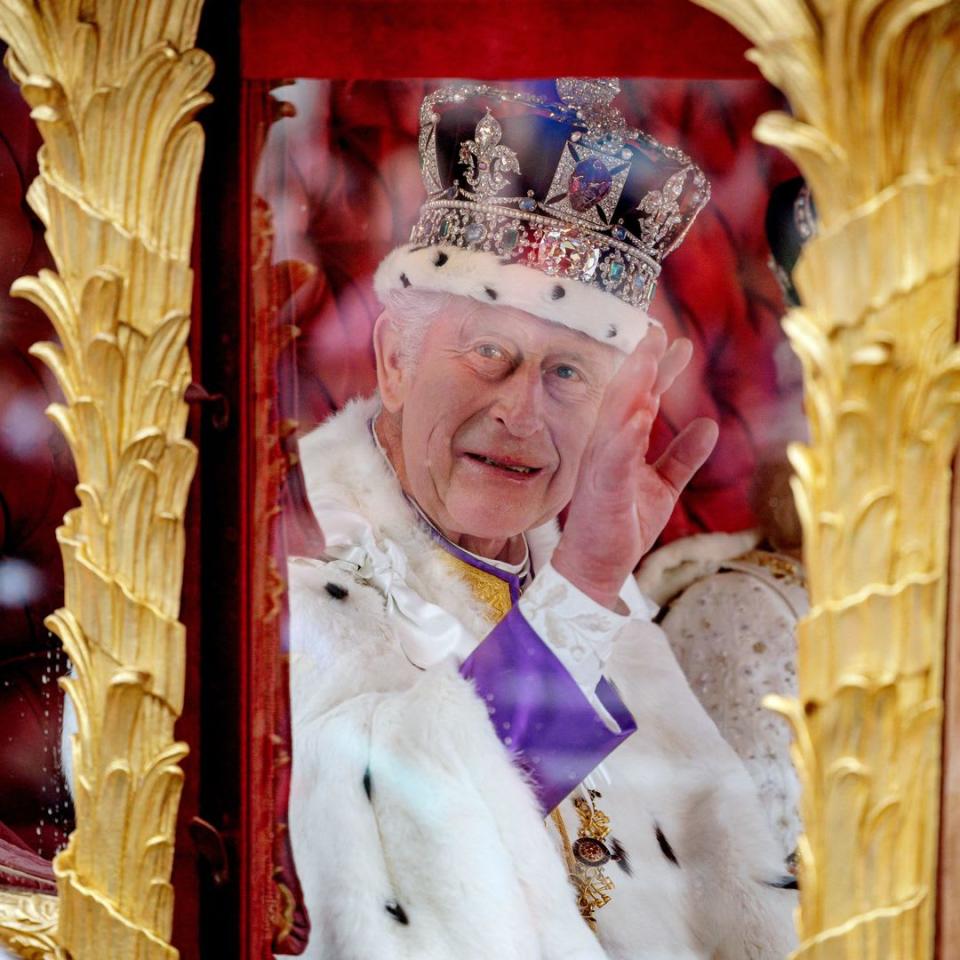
x=391 y=370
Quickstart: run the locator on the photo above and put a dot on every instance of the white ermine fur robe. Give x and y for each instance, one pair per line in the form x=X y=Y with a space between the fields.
x=415 y=836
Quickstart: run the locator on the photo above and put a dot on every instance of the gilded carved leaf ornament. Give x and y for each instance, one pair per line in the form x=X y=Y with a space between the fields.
x=113 y=90
x=875 y=129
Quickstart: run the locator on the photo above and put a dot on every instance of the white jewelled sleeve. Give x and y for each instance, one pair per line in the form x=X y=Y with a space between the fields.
x=578 y=630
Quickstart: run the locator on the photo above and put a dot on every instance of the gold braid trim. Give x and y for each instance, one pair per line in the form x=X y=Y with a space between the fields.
x=488 y=588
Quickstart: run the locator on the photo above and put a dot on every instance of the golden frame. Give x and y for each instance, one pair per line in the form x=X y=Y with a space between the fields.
x=114 y=88
x=876 y=131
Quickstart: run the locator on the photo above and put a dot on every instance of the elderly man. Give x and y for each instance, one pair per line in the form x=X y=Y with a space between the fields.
x=495 y=752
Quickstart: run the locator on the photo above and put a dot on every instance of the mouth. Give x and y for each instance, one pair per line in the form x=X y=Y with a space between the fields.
x=507 y=465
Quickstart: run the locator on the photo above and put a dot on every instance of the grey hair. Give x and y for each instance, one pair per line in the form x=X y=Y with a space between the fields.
x=412 y=313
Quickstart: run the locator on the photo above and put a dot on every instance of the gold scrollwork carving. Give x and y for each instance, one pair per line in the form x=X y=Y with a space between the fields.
x=28 y=922
x=876 y=132
x=114 y=88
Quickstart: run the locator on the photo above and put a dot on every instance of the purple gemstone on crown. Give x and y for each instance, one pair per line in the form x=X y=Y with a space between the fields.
x=589 y=183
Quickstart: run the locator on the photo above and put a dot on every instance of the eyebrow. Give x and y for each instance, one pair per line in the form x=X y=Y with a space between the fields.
x=472 y=327
x=476 y=325
x=572 y=357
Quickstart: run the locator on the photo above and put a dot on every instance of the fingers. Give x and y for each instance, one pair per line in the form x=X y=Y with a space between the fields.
x=654 y=342
x=632 y=385
x=632 y=399
x=687 y=452
x=638 y=428
x=610 y=465
x=648 y=372
x=674 y=362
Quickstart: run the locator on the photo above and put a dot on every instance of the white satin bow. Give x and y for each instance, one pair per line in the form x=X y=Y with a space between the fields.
x=428 y=634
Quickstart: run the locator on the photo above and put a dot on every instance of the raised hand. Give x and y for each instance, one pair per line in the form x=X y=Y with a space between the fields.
x=621 y=502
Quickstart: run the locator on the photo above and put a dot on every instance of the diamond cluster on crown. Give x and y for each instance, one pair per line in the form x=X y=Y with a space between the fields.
x=552 y=246
x=569 y=232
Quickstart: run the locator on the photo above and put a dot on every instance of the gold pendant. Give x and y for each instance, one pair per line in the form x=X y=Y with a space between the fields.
x=587 y=856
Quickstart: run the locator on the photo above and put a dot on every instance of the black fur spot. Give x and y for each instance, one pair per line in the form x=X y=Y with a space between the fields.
x=665 y=848
x=404 y=279
x=611 y=331
x=367 y=785
x=490 y=292
x=619 y=856
x=336 y=591
x=558 y=292
x=440 y=259
x=397 y=912
x=784 y=883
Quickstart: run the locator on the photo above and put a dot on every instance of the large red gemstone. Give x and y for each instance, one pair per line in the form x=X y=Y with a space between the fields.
x=589 y=183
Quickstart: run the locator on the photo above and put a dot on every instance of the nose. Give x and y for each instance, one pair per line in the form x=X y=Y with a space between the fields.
x=519 y=402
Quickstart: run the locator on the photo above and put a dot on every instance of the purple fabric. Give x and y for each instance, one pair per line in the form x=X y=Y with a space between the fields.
x=538 y=710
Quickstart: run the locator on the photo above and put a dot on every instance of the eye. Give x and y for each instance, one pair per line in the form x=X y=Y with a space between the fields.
x=490 y=351
x=565 y=372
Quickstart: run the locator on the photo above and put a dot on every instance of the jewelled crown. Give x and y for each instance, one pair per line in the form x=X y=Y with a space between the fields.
x=563 y=186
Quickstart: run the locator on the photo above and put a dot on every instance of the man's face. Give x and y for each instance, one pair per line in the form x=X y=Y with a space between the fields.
x=496 y=413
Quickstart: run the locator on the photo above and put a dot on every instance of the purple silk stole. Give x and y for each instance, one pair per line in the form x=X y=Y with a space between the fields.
x=540 y=714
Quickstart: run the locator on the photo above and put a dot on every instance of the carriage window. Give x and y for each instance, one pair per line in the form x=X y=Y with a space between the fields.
x=472 y=287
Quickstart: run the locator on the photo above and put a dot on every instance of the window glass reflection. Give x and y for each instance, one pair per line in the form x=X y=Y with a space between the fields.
x=464 y=670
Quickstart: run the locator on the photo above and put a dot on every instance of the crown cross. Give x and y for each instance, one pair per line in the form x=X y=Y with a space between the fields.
x=487 y=160
x=592 y=100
